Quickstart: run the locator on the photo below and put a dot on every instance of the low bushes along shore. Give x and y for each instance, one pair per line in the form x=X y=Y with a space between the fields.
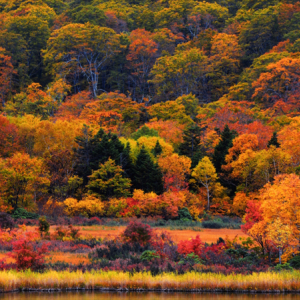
x=112 y=280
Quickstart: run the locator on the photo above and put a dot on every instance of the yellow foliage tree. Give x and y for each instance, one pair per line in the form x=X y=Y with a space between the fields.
x=90 y=206
x=280 y=234
x=205 y=174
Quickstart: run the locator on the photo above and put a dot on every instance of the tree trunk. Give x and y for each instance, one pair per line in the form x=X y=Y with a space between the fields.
x=280 y=253
x=208 y=200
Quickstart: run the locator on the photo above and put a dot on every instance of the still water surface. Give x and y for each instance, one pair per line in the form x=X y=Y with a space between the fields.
x=143 y=296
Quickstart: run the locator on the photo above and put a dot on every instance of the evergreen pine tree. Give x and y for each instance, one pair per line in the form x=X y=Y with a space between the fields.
x=196 y=158
x=105 y=146
x=83 y=153
x=108 y=181
x=126 y=162
x=221 y=150
x=157 y=150
x=190 y=146
x=147 y=175
x=95 y=150
x=274 y=141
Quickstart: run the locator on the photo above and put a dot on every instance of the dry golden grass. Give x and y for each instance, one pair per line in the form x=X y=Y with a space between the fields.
x=53 y=257
x=207 y=235
x=264 y=282
x=70 y=258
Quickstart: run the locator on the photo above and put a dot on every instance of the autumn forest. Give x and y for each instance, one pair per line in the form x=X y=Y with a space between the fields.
x=150 y=113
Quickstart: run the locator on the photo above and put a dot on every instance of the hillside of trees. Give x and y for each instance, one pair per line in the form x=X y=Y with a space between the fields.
x=136 y=108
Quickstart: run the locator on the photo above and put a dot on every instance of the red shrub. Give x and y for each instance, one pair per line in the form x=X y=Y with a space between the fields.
x=162 y=242
x=137 y=232
x=28 y=255
x=132 y=208
x=95 y=220
x=191 y=246
x=215 y=248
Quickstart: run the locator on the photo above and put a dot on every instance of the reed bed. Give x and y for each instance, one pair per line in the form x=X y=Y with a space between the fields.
x=111 y=280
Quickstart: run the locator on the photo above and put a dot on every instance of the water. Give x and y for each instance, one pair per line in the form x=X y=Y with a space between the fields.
x=144 y=296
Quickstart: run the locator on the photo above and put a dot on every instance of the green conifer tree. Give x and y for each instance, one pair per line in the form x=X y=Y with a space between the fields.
x=274 y=141
x=157 y=150
x=147 y=175
x=83 y=153
x=126 y=162
x=221 y=150
x=191 y=144
x=95 y=150
x=108 y=181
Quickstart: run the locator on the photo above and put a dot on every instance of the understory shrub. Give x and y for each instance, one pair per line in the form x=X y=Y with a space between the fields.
x=213 y=224
x=44 y=226
x=295 y=262
x=6 y=222
x=149 y=255
x=66 y=233
x=29 y=255
x=21 y=213
x=184 y=214
x=137 y=232
x=283 y=267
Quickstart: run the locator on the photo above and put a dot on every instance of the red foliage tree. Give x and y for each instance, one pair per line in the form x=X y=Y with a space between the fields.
x=253 y=215
x=9 y=139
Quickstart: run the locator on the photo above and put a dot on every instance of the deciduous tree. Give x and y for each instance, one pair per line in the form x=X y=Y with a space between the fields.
x=205 y=174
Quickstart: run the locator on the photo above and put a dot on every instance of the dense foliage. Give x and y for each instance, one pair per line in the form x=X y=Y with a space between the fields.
x=180 y=109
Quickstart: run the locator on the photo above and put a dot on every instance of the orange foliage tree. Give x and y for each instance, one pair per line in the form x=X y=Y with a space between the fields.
x=280 y=82
x=114 y=112
x=6 y=76
x=175 y=169
x=289 y=139
x=280 y=203
x=141 y=57
x=22 y=180
x=73 y=105
x=169 y=130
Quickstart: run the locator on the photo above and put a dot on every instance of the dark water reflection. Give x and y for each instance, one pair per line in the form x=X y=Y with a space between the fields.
x=144 y=296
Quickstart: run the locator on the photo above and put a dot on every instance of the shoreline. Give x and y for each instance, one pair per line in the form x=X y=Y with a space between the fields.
x=113 y=281
x=123 y=290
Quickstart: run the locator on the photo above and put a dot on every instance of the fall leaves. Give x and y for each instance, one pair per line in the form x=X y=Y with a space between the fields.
x=273 y=219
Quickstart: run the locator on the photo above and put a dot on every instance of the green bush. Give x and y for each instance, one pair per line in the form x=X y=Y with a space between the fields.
x=44 y=226
x=213 y=224
x=148 y=255
x=295 y=262
x=191 y=259
x=21 y=213
x=184 y=214
x=144 y=131
x=283 y=267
